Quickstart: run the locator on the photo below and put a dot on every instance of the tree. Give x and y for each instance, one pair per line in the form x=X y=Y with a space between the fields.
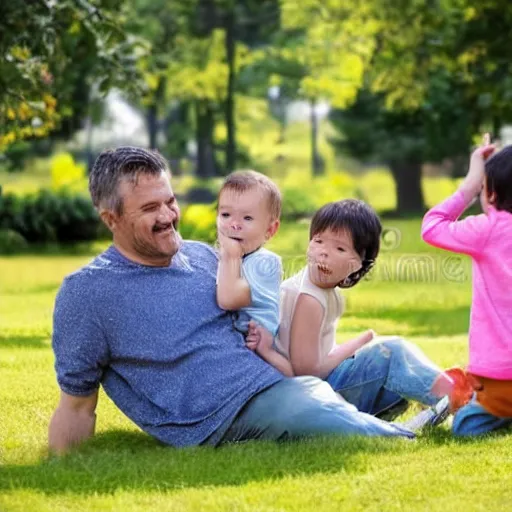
x=40 y=42
x=320 y=53
x=405 y=139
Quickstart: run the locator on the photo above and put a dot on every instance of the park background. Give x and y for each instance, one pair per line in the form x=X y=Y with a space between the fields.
x=377 y=100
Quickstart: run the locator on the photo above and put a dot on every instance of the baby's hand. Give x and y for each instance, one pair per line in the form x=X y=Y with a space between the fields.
x=253 y=336
x=260 y=338
x=229 y=248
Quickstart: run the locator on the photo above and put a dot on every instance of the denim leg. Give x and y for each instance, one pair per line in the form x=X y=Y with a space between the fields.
x=474 y=420
x=302 y=407
x=383 y=373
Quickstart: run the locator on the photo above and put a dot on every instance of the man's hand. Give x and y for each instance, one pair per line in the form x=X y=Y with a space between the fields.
x=72 y=422
x=229 y=248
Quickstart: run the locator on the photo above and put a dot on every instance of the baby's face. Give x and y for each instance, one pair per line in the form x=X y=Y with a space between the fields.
x=331 y=258
x=244 y=216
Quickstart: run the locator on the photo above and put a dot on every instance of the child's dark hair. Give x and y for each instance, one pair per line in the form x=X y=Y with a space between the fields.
x=361 y=222
x=498 y=176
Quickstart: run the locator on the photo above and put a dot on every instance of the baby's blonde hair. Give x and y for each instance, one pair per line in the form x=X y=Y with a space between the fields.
x=242 y=181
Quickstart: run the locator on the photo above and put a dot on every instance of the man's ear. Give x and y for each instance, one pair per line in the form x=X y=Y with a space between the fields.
x=272 y=229
x=109 y=218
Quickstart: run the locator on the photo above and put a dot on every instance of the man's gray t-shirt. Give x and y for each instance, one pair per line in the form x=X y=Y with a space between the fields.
x=156 y=340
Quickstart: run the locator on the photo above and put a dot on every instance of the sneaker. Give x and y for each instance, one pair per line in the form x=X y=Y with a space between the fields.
x=430 y=417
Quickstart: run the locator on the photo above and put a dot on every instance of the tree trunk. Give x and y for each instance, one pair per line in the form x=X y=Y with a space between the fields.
x=230 y=43
x=409 y=194
x=152 y=124
x=496 y=127
x=317 y=166
x=206 y=165
x=152 y=114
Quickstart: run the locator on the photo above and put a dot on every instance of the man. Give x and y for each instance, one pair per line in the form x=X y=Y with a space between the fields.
x=142 y=321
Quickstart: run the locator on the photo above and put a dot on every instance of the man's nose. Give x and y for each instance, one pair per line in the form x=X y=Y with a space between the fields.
x=167 y=213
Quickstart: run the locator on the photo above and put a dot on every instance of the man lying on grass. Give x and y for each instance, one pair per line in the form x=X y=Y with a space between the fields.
x=142 y=320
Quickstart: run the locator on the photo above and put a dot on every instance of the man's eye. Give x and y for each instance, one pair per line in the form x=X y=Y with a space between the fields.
x=248 y=217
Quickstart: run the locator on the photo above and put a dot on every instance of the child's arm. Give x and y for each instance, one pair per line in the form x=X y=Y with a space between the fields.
x=261 y=341
x=233 y=291
x=440 y=226
x=305 y=353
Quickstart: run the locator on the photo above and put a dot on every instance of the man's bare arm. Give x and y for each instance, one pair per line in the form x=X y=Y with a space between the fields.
x=72 y=422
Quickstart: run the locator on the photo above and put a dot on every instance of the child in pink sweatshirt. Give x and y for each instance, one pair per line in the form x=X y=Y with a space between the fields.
x=487 y=239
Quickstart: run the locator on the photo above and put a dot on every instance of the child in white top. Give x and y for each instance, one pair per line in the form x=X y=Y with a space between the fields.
x=344 y=244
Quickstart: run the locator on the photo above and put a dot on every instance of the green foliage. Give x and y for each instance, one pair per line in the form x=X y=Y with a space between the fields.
x=304 y=194
x=297 y=203
x=50 y=217
x=48 y=48
x=11 y=242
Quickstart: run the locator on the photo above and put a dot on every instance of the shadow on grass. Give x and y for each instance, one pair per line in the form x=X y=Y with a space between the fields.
x=28 y=340
x=421 y=322
x=133 y=461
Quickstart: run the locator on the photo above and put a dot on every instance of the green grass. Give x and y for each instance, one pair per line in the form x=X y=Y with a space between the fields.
x=124 y=469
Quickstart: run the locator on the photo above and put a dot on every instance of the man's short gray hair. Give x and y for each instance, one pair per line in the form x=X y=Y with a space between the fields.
x=113 y=165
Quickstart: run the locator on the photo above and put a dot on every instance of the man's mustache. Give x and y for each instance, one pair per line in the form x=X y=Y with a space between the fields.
x=159 y=226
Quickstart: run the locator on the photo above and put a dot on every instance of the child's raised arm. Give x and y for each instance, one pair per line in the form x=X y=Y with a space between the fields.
x=440 y=226
x=233 y=291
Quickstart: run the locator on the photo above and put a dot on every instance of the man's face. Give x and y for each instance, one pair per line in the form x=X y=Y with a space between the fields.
x=146 y=230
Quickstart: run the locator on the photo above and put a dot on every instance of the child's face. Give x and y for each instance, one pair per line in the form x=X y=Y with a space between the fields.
x=331 y=258
x=244 y=216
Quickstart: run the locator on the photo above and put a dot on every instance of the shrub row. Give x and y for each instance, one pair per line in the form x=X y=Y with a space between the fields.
x=46 y=217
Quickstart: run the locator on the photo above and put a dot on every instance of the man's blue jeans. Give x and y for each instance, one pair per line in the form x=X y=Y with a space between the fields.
x=376 y=379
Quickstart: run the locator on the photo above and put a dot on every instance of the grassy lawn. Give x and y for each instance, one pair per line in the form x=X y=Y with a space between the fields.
x=415 y=291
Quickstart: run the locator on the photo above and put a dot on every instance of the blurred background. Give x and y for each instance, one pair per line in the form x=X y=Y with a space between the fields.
x=378 y=100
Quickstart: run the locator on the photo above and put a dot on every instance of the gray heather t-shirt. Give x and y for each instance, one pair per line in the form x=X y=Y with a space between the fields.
x=156 y=340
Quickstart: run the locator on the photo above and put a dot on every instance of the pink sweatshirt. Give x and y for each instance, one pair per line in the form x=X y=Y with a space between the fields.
x=487 y=238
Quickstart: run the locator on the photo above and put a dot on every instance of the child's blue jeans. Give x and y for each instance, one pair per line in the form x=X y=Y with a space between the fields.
x=474 y=420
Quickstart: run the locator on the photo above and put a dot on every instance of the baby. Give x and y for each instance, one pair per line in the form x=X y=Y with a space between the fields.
x=249 y=276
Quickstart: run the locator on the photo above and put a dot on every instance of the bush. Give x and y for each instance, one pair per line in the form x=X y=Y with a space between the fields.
x=304 y=194
x=297 y=203
x=11 y=242
x=198 y=222
x=50 y=217
x=65 y=172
